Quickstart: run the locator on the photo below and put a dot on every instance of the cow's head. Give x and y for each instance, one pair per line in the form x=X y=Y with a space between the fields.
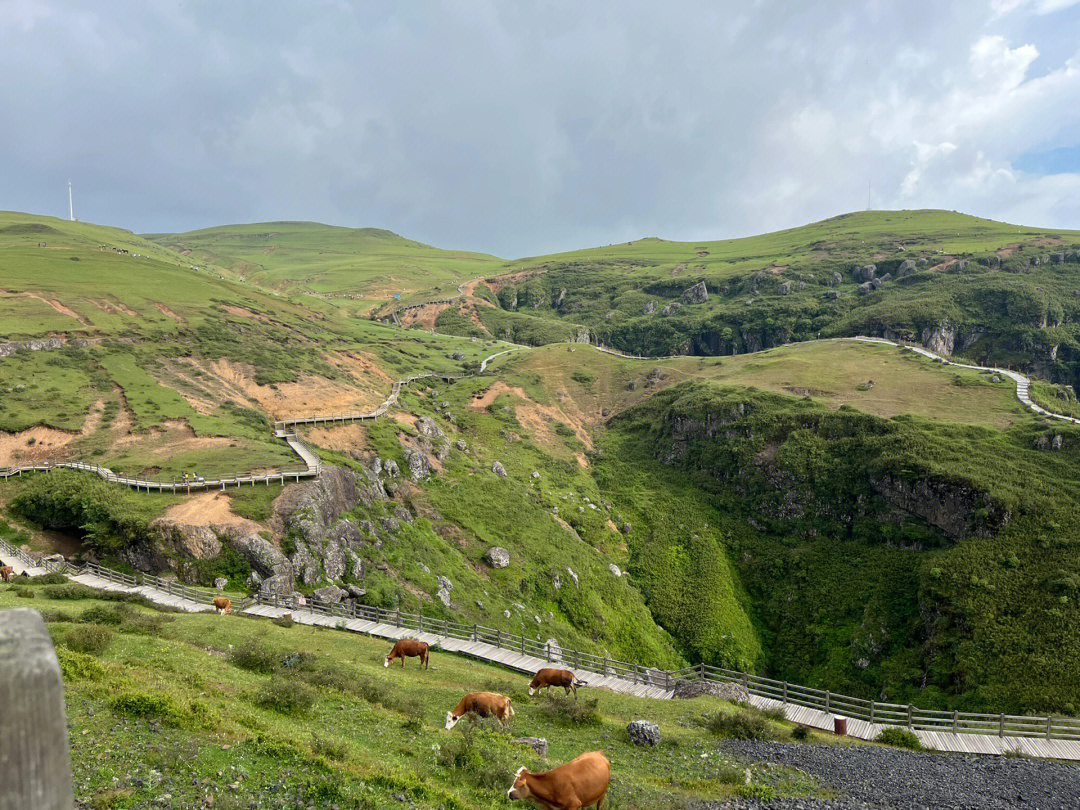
x=520 y=789
x=532 y=691
x=386 y=662
x=451 y=721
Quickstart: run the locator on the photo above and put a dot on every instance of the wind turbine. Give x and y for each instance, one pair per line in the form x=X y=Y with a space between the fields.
x=71 y=206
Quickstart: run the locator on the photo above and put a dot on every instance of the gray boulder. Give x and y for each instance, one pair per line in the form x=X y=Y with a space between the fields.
x=426 y=426
x=698 y=294
x=573 y=575
x=355 y=591
x=221 y=583
x=537 y=744
x=832 y=294
x=785 y=288
x=330 y=594
x=614 y=569
x=642 y=732
x=865 y=273
x=906 y=268
x=837 y=278
x=866 y=287
x=498 y=469
x=461 y=445
x=391 y=468
x=262 y=555
x=498 y=557
x=735 y=692
x=419 y=466
x=443 y=595
x=671 y=308
x=650 y=307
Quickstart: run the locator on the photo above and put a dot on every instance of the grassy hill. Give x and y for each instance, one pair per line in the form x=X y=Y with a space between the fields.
x=368 y=264
x=986 y=290
x=247 y=713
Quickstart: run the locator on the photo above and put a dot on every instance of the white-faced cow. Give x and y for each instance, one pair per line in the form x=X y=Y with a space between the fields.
x=222 y=604
x=408 y=648
x=548 y=677
x=581 y=782
x=482 y=704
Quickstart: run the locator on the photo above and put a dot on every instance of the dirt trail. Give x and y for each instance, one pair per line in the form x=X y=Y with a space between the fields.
x=164 y=310
x=52 y=302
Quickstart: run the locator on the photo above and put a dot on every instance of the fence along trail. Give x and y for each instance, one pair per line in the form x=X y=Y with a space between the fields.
x=966 y=732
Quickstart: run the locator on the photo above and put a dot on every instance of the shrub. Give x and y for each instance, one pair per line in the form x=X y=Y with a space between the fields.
x=745 y=724
x=413 y=709
x=331 y=749
x=53 y=578
x=92 y=639
x=480 y=755
x=77 y=666
x=149 y=705
x=255 y=656
x=105 y=614
x=144 y=624
x=899 y=737
x=568 y=711
x=24 y=593
x=286 y=695
x=299 y=661
x=801 y=733
x=68 y=590
x=284 y=621
x=755 y=790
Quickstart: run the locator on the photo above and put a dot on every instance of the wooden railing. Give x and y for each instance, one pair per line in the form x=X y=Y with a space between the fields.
x=783 y=692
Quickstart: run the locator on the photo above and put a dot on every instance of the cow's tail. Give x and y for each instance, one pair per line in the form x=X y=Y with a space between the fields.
x=509 y=708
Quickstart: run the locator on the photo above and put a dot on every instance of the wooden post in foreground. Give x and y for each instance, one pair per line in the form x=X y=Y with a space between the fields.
x=35 y=766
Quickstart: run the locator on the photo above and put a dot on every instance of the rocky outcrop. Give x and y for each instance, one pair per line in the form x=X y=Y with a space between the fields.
x=498 y=469
x=195 y=542
x=650 y=308
x=671 y=308
x=262 y=555
x=956 y=508
x=867 y=272
x=39 y=345
x=686 y=690
x=642 y=732
x=698 y=294
x=418 y=464
x=537 y=744
x=498 y=557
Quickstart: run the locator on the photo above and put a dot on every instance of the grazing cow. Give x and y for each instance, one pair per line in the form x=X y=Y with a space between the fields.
x=408 y=648
x=222 y=604
x=482 y=704
x=579 y=783
x=548 y=677
x=6 y=572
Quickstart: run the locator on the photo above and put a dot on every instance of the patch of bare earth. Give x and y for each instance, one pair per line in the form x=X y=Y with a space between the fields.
x=52 y=302
x=42 y=443
x=168 y=313
x=423 y=316
x=206 y=384
x=243 y=312
x=539 y=419
x=174 y=437
x=343 y=438
x=213 y=509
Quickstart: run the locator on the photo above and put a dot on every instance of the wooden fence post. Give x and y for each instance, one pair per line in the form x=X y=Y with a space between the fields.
x=910 y=712
x=548 y=645
x=498 y=638
x=828 y=700
x=785 y=692
x=872 y=707
x=701 y=671
x=1001 y=725
x=35 y=768
x=955 y=721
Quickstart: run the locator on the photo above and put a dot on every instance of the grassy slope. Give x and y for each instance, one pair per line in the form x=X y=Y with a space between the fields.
x=770 y=289
x=370 y=735
x=360 y=262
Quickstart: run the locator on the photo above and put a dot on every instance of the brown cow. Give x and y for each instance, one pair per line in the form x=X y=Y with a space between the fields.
x=6 y=572
x=482 y=704
x=408 y=648
x=548 y=677
x=579 y=783
x=222 y=604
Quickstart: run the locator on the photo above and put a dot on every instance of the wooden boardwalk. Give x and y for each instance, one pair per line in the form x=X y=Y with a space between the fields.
x=970 y=743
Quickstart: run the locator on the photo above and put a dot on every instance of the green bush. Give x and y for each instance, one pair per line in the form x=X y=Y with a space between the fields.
x=149 y=705
x=755 y=790
x=69 y=590
x=144 y=624
x=480 y=755
x=745 y=724
x=92 y=639
x=331 y=749
x=24 y=593
x=77 y=666
x=568 y=711
x=286 y=695
x=899 y=737
x=801 y=733
x=105 y=614
x=47 y=579
x=254 y=656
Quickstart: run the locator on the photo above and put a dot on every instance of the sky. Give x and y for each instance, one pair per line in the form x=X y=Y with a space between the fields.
x=522 y=128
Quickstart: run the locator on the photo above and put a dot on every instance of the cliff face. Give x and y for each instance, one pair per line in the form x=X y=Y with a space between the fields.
x=825 y=471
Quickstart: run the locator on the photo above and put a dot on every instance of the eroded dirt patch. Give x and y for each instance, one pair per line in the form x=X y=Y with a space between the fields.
x=213 y=509
x=52 y=302
x=539 y=420
x=42 y=443
x=343 y=438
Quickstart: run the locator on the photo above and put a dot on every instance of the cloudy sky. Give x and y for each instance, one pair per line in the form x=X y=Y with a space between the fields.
x=521 y=128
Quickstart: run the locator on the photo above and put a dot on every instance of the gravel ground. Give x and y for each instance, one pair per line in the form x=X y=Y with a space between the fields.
x=878 y=778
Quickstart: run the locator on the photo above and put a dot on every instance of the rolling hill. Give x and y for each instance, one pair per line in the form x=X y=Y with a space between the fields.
x=845 y=514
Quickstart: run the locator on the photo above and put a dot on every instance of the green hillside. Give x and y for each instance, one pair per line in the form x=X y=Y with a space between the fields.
x=359 y=263
x=226 y=712
x=986 y=290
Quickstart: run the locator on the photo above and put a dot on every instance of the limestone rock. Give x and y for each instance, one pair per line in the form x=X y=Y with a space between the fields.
x=866 y=287
x=498 y=557
x=573 y=576
x=671 y=308
x=262 y=555
x=642 y=732
x=355 y=591
x=443 y=595
x=330 y=594
x=865 y=273
x=832 y=294
x=650 y=307
x=614 y=569
x=906 y=268
x=426 y=426
x=537 y=744
x=785 y=288
x=735 y=692
x=498 y=469
x=461 y=445
x=221 y=583
x=391 y=468
x=698 y=294
x=419 y=466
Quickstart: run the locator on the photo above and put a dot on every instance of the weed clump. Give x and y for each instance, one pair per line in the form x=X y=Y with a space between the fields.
x=77 y=666
x=152 y=706
x=52 y=578
x=24 y=593
x=68 y=590
x=480 y=755
x=899 y=737
x=254 y=656
x=92 y=639
x=745 y=724
x=568 y=711
x=801 y=734
x=286 y=695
